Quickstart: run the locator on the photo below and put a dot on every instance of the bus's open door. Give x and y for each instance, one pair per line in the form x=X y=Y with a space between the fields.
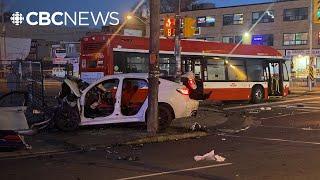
x=196 y=66
x=274 y=75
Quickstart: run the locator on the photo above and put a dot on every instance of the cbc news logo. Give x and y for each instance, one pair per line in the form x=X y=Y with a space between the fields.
x=81 y=18
x=17 y=18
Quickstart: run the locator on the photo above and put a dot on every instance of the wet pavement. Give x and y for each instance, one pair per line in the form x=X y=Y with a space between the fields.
x=282 y=141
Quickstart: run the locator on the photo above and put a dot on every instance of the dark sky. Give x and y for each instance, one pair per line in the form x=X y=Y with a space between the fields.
x=93 y=5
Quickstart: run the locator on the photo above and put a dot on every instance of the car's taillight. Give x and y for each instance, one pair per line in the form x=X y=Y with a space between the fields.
x=184 y=91
x=192 y=84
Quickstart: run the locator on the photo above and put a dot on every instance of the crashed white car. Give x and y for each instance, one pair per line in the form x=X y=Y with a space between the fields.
x=120 y=98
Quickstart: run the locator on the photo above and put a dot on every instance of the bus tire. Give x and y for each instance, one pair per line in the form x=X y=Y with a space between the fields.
x=257 y=95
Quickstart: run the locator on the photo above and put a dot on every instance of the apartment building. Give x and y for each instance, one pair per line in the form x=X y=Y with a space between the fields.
x=284 y=26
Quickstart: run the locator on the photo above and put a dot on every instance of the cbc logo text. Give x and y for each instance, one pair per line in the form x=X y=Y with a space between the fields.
x=83 y=18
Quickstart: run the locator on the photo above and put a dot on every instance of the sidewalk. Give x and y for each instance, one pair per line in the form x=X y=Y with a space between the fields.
x=304 y=91
x=92 y=138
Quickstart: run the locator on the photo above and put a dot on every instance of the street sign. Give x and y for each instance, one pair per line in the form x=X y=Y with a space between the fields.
x=189 y=27
x=169 y=26
x=316 y=11
x=312 y=71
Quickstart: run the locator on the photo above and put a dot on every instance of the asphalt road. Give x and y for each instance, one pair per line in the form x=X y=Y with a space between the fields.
x=283 y=143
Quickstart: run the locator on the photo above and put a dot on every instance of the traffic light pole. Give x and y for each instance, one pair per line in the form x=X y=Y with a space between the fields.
x=177 y=49
x=310 y=47
x=152 y=114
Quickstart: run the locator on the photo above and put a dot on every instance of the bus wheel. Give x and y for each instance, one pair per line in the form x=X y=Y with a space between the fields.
x=257 y=95
x=165 y=116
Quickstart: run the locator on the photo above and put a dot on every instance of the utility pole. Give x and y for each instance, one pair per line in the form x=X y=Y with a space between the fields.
x=177 y=39
x=311 y=58
x=152 y=121
x=3 y=33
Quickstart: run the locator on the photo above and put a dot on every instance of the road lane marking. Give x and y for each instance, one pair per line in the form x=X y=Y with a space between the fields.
x=273 y=139
x=284 y=115
x=284 y=127
x=271 y=104
x=176 y=171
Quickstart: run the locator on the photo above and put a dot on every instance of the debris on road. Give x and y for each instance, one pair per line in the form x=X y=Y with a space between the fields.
x=223 y=139
x=197 y=127
x=211 y=156
x=254 y=111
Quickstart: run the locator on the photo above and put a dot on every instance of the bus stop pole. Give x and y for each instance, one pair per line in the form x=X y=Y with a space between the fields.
x=152 y=116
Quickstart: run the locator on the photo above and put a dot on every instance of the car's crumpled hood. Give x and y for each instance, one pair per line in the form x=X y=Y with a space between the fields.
x=73 y=86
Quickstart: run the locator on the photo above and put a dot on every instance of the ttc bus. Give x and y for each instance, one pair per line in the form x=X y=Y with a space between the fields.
x=250 y=72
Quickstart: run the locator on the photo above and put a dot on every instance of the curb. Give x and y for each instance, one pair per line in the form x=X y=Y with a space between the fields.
x=165 y=138
x=145 y=140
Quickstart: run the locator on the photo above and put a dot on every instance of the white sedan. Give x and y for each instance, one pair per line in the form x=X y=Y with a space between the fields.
x=120 y=98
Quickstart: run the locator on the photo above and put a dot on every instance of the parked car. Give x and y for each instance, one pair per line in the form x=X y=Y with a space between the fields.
x=120 y=98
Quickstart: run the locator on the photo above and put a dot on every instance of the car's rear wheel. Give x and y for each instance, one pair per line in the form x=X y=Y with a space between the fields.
x=165 y=116
x=257 y=95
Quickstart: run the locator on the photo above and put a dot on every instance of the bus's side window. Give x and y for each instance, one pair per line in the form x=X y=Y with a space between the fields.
x=236 y=70
x=167 y=65
x=216 y=69
x=255 y=70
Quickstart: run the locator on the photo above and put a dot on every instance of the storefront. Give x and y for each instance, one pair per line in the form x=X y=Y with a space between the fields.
x=300 y=60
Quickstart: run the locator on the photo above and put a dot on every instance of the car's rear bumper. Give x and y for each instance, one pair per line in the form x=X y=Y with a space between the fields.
x=190 y=110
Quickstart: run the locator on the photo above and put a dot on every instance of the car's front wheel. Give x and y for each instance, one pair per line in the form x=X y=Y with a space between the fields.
x=67 y=120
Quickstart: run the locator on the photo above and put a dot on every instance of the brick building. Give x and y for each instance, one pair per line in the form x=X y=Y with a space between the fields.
x=285 y=26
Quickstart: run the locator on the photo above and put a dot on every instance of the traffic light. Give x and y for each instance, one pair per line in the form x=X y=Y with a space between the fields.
x=316 y=11
x=169 y=26
x=189 y=27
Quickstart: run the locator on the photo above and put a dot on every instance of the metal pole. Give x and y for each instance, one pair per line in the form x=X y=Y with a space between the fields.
x=177 y=49
x=310 y=45
x=152 y=121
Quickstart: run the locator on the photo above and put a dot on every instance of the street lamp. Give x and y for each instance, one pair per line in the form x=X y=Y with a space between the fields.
x=129 y=17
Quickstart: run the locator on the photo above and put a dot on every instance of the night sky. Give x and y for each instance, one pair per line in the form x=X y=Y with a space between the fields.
x=120 y=6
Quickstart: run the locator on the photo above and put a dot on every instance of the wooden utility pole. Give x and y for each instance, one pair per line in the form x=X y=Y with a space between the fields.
x=177 y=39
x=152 y=121
x=3 y=32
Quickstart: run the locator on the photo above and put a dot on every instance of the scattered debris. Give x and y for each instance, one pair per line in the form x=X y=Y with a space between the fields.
x=307 y=129
x=223 y=139
x=265 y=108
x=268 y=108
x=197 y=127
x=210 y=157
x=254 y=111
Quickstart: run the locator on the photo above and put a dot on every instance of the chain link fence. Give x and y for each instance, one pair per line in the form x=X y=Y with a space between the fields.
x=21 y=82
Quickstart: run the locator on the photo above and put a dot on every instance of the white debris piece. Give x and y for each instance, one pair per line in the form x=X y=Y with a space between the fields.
x=210 y=156
x=268 y=108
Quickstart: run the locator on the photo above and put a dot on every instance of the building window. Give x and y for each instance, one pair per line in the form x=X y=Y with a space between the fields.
x=295 y=14
x=232 y=19
x=268 y=17
x=231 y=39
x=264 y=39
x=206 y=21
x=290 y=39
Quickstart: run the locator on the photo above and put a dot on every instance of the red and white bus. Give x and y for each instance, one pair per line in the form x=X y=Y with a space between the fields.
x=251 y=72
